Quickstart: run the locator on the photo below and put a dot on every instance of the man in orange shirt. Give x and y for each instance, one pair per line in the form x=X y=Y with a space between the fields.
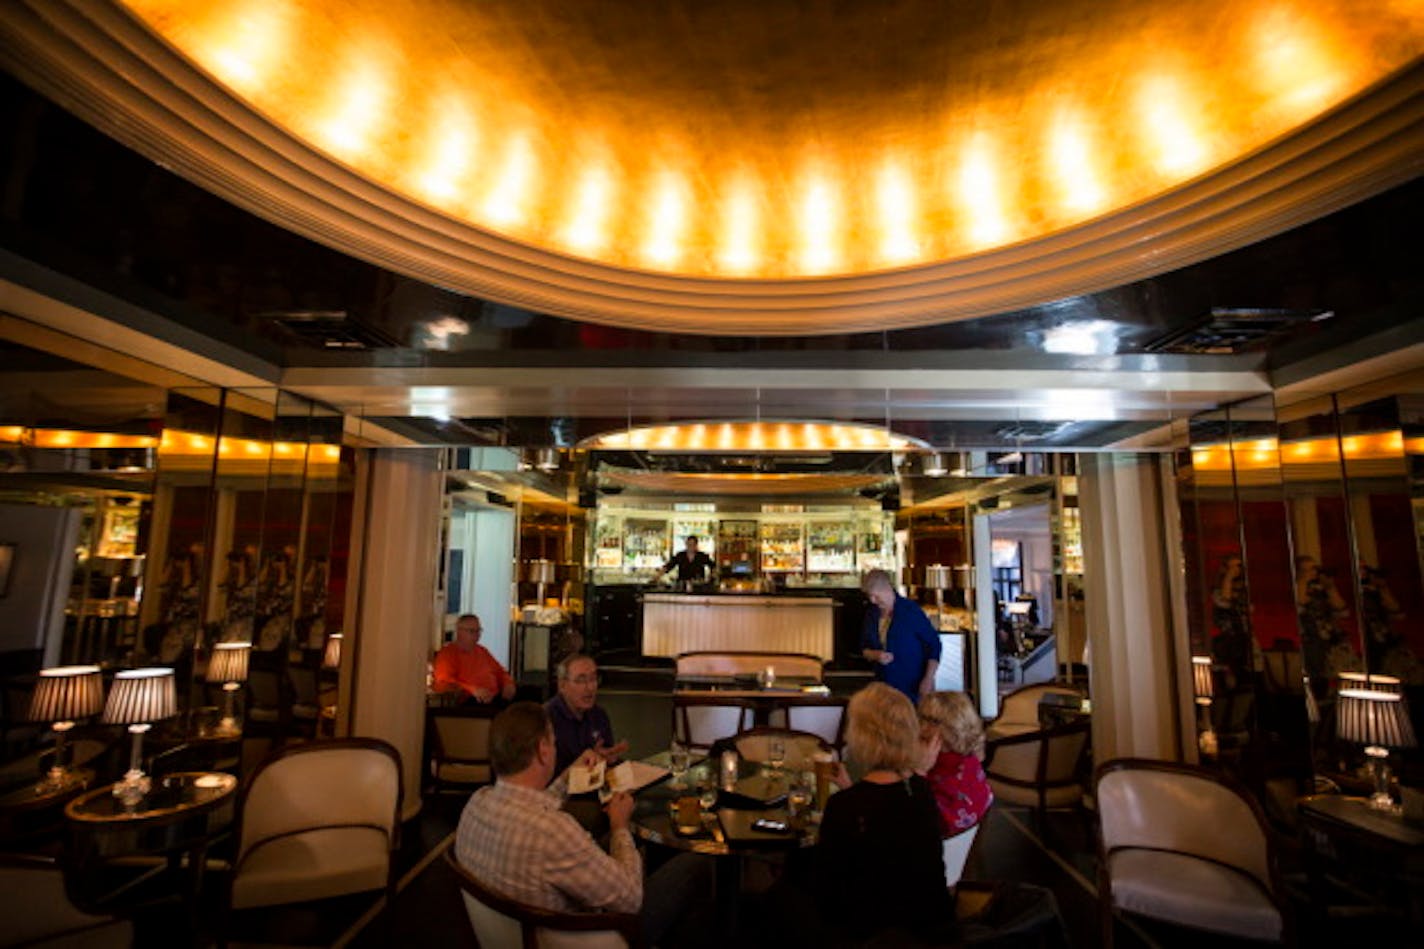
x=466 y=666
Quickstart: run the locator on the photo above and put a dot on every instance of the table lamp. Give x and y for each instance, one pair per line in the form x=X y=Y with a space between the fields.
x=1379 y=721
x=938 y=579
x=228 y=665
x=541 y=574
x=1204 y=688
x=61 y=695
x=138 y=698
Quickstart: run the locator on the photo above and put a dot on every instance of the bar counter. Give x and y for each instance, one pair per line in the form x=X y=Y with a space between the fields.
x=675 y=623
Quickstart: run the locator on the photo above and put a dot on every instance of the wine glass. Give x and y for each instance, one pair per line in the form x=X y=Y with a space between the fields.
x=678 y=757
x=776 y=753
x=707 y=793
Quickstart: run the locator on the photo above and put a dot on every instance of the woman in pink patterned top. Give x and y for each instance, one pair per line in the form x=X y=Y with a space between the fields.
x=955 y=774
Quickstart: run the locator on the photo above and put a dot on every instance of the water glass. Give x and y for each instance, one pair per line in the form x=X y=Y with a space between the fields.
x=776 y=753
x=678 y=757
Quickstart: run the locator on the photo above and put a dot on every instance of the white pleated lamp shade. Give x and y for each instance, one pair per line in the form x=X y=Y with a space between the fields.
x=1378 y=719
x=140 y=696
x=1370 y=683
x=229 y=662
x=331 y=659
x=1201 y=677
x=66 y=693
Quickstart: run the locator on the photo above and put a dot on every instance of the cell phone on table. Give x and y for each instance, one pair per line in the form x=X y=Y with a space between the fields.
x=766 y=823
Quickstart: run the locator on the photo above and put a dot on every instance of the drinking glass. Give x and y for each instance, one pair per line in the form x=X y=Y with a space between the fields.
x=679 y=758
x=707 y=792
x=798 y=804
x=776 y=754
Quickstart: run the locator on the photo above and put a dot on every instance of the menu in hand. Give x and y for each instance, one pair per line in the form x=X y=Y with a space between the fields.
x=630 y=776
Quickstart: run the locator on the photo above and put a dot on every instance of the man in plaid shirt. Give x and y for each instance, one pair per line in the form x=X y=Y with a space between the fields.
x=515 y=837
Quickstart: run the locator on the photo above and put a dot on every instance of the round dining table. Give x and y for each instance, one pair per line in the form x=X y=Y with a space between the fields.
x=725 y=831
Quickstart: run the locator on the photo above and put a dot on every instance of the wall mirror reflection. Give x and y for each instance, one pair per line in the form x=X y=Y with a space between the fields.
x=157 y=523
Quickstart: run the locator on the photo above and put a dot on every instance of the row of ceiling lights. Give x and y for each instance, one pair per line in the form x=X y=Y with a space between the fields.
x=476 y=161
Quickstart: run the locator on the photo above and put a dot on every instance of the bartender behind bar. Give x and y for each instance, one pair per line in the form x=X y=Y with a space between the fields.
x=692 y=565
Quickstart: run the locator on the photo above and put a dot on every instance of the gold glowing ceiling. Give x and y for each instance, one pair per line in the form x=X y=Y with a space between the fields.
x=751 y=166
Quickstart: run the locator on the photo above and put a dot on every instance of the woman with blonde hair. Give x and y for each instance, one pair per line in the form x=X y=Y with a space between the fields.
x=879 y=872
x=956 y=775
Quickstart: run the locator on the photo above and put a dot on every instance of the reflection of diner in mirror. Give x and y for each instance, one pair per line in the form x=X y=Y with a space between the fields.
x=1325 y=647
x=1386 y=647
x=1234 y=645
x=239 y=595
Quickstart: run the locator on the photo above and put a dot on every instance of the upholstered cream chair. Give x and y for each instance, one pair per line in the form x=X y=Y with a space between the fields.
x=955 y=851
x=800 y=747
x=700 y=721
x=501 y=923
x=458 y=739
x=824 y=717
x=1188 y=846
x=795 y=664
x=1018 y=711
x=317 y=820
x=1040 y=769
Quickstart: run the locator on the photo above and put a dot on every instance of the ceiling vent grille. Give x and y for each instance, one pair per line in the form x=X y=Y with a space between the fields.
x=1227 y=331
x=327 y=329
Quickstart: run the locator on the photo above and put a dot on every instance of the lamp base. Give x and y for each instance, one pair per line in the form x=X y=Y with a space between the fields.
x=1381 y=801
x=1379 y=768
x=1207 y=744
x=133 y=787
x=55 y=780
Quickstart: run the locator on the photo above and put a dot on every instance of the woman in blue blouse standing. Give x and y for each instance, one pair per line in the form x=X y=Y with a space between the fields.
x=898 y=638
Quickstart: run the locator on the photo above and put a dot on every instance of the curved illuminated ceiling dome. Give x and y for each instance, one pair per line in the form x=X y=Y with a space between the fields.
x=745 y=166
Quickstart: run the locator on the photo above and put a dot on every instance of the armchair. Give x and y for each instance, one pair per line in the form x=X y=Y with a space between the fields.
x=755 y=745
x=458 y=739
x=317 y=820
x=1188 y=846
x=1018 y=711
x=501 y=923
x=796 y=664
x=823 y=717
x=1039 y=769
x=700 y=721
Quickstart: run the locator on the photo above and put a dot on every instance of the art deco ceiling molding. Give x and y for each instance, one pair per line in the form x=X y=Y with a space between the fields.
x=128 y=78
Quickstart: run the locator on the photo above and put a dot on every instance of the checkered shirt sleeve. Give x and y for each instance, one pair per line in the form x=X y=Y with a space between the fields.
x=519 y=843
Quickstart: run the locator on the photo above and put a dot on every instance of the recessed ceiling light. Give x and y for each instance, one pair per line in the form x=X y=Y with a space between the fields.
x=1083 y=338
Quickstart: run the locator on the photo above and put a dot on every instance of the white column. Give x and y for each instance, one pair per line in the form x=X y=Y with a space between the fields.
x=489 y=558
x=987 y=648
x=1133 y=668
x=395 y=604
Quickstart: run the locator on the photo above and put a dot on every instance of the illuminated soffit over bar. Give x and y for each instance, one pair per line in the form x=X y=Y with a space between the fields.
x=744 y=167
x=772 y=436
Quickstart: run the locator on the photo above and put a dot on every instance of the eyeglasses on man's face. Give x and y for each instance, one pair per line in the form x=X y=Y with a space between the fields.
x=587 y=678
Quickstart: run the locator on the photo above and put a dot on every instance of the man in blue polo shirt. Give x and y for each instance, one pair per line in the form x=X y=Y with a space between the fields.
x=899 y=638
x=579 y=723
